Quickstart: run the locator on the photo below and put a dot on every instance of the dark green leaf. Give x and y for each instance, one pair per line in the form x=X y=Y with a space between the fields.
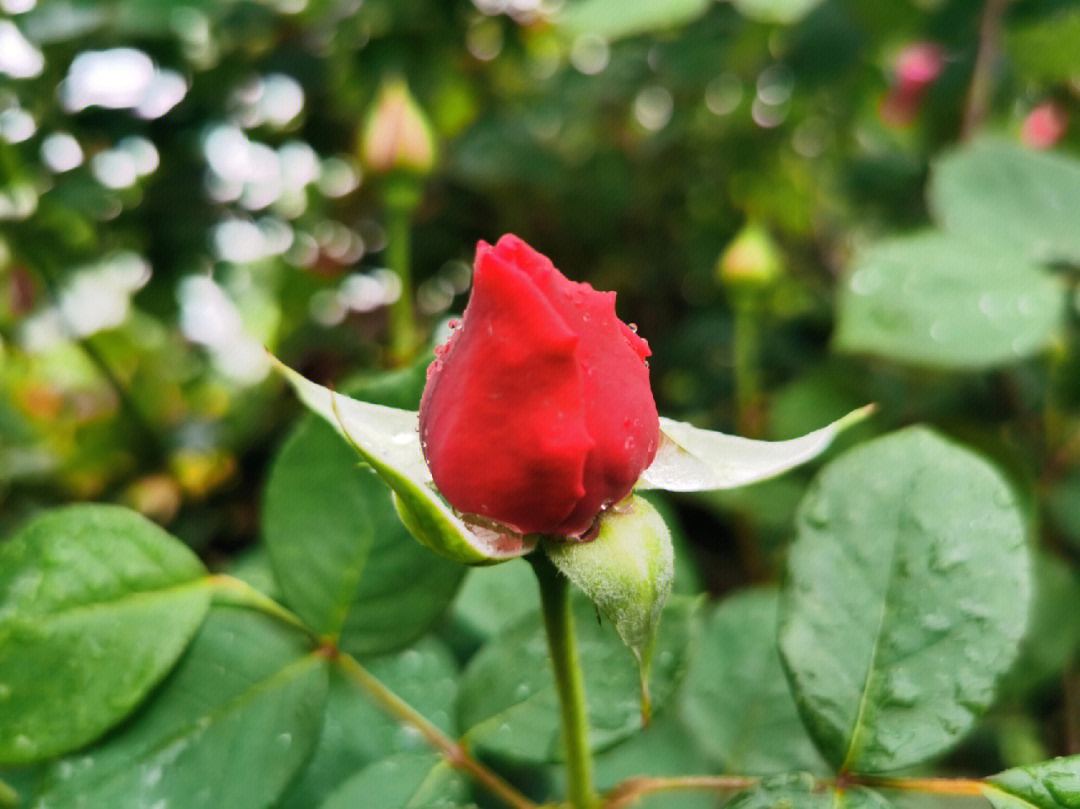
x=357 y=733
x=493 y=598
x=936 y=300
x=1003 y=195
x=508 y=704
x=736 y=700
x=345 y=562
x=404 y=781
x=1054 y=636
x=907 y=595
x=228 y=729
x=1050 y=785
x=96 y=605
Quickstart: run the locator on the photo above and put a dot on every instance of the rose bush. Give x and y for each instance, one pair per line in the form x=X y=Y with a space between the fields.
x=537 y=412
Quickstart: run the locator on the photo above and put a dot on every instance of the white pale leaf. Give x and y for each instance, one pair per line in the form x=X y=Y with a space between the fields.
x=388 y=440
x=691 y=459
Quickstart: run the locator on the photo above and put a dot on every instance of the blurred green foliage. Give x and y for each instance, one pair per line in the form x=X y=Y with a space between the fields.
x=180 y=186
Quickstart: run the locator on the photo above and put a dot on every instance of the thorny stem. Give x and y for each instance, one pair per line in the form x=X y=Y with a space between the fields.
x=562 y=645
x=454 y=752
x=982 y=77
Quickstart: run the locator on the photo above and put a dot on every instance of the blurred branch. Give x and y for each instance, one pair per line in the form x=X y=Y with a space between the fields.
x=982 y=77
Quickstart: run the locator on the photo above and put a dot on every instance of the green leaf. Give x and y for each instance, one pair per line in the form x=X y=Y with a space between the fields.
x=691 y=459
x=1051 y=784
x=228 y=729
x=736 y=700
x=1002 y=195
x=405 y=781
x=388 y=440
x=508 y=703
x=661 y=749
x=936 y=300
x=357 y=733
x=96 y=605
x=350 y=570
x=493 y=598
x=626 y=571
x=801 y=792
x=777 y=11
x=615 y=19
x=907 y=594
x=1053 y=638
x=1045 y=48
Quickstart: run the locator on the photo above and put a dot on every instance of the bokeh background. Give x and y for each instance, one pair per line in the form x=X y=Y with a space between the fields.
x=186 y=182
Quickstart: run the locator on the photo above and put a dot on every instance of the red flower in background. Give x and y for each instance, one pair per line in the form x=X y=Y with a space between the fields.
x=537 y=413
x=1044 y=126
x=917 y=68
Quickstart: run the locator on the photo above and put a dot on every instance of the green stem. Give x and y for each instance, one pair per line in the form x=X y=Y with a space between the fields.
x=746 y=349
x=559 y=623
x=401 y=196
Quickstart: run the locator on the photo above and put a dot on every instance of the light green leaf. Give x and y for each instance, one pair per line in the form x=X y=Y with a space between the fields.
x=96 y=605
x=1045 y=48
x=344 y=561
x=228 y=729
x=387 y=439
x=615 y=19
x=907 y=594
x=404 y=781
x=508 y=703
x=936 y=300
x=357 y=733
x=691 y=459
x=627 y=572
x=736 y=700
x=778 y=11
x=1049 y=785
x=1002 y=195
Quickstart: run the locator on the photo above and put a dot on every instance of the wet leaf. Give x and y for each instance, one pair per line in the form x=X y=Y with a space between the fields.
x=907 y=595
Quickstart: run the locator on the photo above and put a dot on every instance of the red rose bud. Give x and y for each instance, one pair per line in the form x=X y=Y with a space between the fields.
x=1044 y=126
x=916 y=68
x=397 y=134
x=537 y=413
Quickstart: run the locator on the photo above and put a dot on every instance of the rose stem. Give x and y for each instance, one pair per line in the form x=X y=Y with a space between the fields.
x=559 y=623
x=747 y=341
x=401 y=197
x=454 y=753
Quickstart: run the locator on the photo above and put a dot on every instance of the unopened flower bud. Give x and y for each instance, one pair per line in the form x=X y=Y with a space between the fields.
x=397 y=135
x=751 y=261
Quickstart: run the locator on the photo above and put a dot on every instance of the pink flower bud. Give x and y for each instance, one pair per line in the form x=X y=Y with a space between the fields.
x=1044 y=126
x=397 y=134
